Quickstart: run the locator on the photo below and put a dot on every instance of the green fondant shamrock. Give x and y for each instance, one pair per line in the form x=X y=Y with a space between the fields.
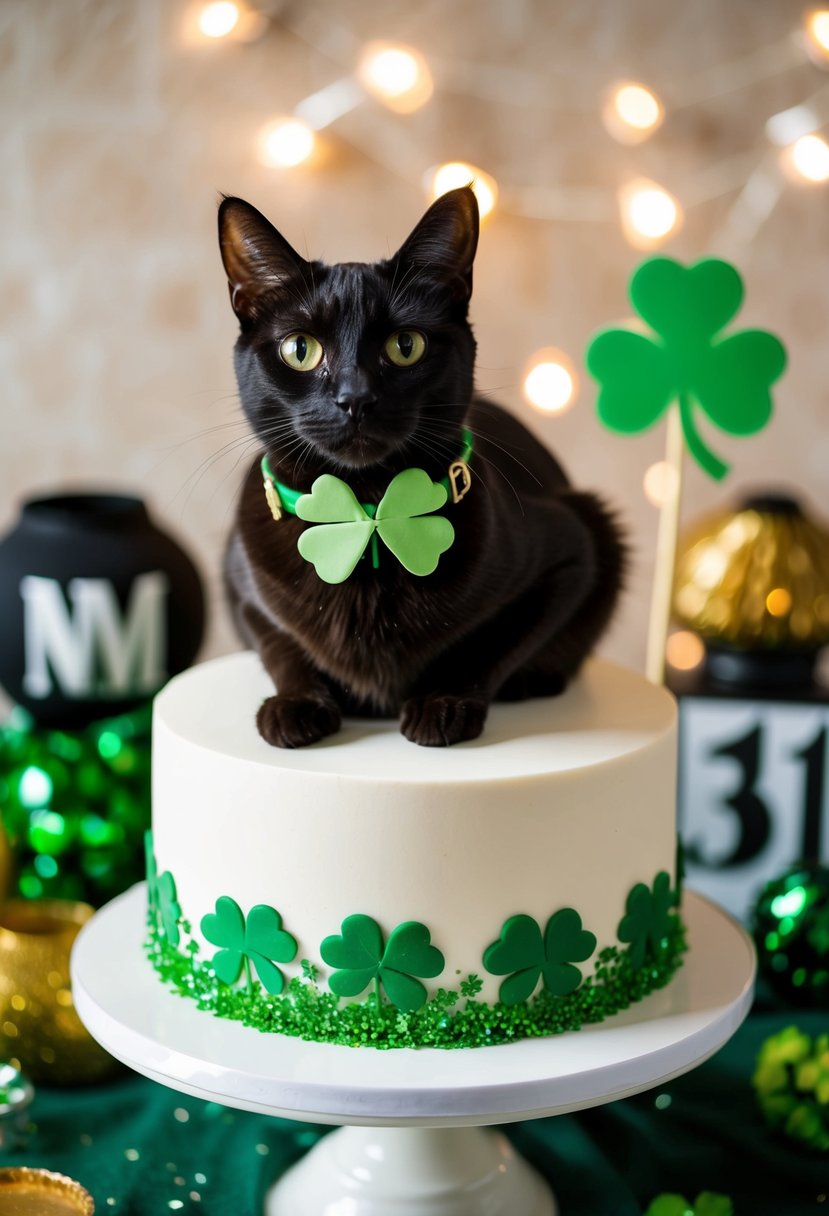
x=522 y=950
x=360 y=956
x=688 y=359
x=648 y=918
x=706 y=1204
x=168 y=906
x=403 y=521
x=259 y=940
x=152 y=875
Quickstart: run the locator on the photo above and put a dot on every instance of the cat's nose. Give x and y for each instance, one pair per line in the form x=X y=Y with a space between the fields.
x=355 y=395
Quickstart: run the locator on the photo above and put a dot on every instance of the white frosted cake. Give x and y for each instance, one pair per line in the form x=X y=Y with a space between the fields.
x=365 y=890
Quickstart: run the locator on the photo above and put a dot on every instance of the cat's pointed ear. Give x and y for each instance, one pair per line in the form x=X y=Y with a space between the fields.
x=445 y=240
x=257 y=258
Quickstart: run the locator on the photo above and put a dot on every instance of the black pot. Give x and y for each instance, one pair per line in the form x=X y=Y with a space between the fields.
x=98 y=608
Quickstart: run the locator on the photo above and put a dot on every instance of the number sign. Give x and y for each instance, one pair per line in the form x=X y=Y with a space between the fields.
x=753 y=793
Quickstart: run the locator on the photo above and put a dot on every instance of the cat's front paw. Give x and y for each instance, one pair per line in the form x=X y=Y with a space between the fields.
x=440 y=719
x=294 y=722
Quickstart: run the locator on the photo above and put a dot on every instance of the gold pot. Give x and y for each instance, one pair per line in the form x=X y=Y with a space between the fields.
x=756 y=578
x=40 y=1032
x=23 y=1189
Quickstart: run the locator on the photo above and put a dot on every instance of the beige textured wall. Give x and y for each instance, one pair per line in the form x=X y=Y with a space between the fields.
x=116 y=334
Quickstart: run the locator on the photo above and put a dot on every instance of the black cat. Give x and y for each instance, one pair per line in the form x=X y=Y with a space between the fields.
x=362 y=371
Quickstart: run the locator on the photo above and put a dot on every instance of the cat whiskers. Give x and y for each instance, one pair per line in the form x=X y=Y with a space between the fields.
x=439 y=428
x=244 y=444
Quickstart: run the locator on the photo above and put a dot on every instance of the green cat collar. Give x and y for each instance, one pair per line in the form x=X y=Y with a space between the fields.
x=403 y=519
x=282 y=498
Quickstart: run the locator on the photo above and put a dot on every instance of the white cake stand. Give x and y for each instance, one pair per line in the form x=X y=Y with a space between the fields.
x=412 y=1144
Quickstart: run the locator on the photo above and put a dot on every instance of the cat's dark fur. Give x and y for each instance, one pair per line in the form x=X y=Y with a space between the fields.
x=535 y=570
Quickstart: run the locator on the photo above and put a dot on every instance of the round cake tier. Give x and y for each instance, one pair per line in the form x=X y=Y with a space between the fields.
x=566 y=802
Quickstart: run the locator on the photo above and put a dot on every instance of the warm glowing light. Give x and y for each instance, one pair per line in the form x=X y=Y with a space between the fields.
x=817 y=31
x=810 y=158
x=631 y=112
x=219 y=19
x=649 y=213
x=285 y=142
x=660 y=483
x=457 y=173
x=778 y=602
x=397 y=75
x=637 y=106
x=550 y=384
x=684 y=650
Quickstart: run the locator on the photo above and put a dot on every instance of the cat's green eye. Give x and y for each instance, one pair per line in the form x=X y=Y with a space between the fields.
x=301 y=352
x=405 y=347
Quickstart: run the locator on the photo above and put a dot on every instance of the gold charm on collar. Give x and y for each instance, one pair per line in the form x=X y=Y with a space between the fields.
x=274 y=501
x=460 y=479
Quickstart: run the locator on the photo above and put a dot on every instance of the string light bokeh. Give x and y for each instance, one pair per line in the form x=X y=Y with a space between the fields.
x=219 y=19
x=285 y=143
x=550 y=382
x=810 y=158
x=632 y=112
x=398 y=77
x=457 y=173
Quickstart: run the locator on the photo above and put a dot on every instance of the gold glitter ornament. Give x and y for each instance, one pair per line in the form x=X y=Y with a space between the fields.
x=35 y=1192
x=755 y=578
x=39 y=1028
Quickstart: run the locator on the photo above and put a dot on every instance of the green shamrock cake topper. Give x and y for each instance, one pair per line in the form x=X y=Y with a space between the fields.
x=403 y=521
x=687 y=359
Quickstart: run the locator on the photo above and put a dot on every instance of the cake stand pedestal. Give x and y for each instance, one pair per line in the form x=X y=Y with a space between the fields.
x=412 y=1143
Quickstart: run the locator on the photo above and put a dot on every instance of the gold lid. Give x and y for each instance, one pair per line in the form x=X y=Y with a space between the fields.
x=35 y=1192
x=755 y=578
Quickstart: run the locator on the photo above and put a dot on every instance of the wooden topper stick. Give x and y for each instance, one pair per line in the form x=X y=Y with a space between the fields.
x=663 y=575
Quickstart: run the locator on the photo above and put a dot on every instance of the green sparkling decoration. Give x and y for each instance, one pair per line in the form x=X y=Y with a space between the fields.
x=648 y=920
x=522 y=950
x=790 y=923
x=258 y=941
x=360 y=956
x=472 y=985
x=305 y=1011
x=708 y=1203
x=75 y=805
x=791 y=1081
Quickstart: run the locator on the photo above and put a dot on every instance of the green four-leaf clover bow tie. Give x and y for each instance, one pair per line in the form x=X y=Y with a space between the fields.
x=403 y=519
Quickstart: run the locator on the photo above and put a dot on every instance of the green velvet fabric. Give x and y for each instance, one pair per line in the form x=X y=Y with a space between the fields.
x=611 y=1161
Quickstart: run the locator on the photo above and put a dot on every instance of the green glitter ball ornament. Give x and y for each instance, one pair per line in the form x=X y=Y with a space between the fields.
x=791 y=930
x=75 y=805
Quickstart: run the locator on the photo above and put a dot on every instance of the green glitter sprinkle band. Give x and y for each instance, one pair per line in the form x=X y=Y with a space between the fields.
x=449 y=1019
